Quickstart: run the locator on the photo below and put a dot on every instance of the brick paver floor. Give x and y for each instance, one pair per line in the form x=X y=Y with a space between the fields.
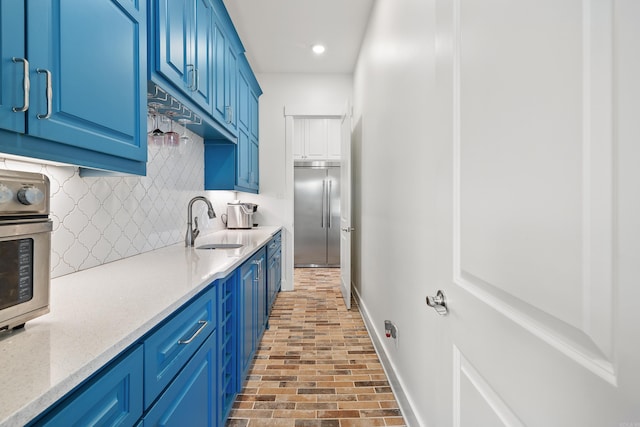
x=316 y=365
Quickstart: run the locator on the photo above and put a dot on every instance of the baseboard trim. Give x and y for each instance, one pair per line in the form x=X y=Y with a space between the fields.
x=396 y=386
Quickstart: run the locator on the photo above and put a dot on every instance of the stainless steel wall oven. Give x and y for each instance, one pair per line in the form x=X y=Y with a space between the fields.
x=25 y=247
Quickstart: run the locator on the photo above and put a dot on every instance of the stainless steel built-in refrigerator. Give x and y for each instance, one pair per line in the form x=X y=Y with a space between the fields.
x=316 y=214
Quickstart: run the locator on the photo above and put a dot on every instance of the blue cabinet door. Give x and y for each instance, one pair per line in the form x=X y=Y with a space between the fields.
x=173 y=39
x=231 y=87
x=274 y=269
x=248 y=273
x=203 y=55
x=184 y=44
x=220 y=106
x=191 y=399
x=253 y=305
x=88 y=75
x=243 y=160
x=113 y=398
x=227 y=49
x=247 y=151
x=12 y=71
x=254 y=164
x=254 y=114
x=224 y=77
x=274 y=277
x=243 y=97
x=185 y=47
x=261 y=294
x=169 y=347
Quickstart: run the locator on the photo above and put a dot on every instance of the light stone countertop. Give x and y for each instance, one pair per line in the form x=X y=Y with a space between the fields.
x=97 y=313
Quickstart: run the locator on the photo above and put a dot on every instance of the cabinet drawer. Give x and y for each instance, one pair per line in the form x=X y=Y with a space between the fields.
x=190 y=399
x=168 y=349
x=113 y=398
x=274 y=244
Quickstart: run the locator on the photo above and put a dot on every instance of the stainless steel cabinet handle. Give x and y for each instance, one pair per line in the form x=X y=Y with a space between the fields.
x=200 y=329
x=439 y=303
x=258 y=262
x=26 y=85
x=348 y=229
x=49 y=94
x=191 y=77
x=229 y=113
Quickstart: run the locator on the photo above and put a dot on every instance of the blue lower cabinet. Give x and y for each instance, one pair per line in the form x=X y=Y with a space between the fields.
x=113 y=398
x=274 y=268
x=248 y=317
x=190 y=368
x=190 y=400
x=168 y=348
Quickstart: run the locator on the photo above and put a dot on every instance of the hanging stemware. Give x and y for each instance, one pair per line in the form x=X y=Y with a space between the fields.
x=155 y=138
x=185 y=139
x=172 y=138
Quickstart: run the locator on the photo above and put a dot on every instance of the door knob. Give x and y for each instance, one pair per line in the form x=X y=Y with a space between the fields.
x=439 y=303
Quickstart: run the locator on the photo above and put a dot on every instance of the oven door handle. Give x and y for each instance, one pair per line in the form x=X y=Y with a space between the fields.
x=13 y=229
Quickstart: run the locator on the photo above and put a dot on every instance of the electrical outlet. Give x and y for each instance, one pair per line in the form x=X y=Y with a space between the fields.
x=390 y=329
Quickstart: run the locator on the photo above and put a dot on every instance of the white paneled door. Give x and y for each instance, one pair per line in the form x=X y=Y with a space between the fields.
x=543 y=285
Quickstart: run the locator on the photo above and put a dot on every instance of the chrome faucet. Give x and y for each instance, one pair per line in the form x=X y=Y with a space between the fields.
x=192 y=233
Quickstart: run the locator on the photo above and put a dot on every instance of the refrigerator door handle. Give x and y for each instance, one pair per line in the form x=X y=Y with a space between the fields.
x=329 y=203
x=323 y=213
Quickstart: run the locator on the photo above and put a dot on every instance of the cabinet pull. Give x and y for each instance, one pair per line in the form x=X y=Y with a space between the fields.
x=200 y=329
x=48 y=93
x=191 y=77
x=229 y=114
x=258 y=262
x=26 y=85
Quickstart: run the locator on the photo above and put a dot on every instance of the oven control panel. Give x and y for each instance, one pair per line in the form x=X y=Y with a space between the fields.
x=23 y=194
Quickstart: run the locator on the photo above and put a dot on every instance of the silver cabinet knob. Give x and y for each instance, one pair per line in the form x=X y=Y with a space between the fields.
x=439 y=303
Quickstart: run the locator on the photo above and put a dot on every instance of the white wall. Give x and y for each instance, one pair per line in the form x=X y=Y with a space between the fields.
x=304 y=93
x=394 y=196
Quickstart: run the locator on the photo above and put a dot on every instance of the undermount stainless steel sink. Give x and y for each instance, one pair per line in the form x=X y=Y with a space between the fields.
x=221 y=246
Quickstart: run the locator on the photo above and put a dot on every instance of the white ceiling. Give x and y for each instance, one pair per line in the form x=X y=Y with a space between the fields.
x=278 y=34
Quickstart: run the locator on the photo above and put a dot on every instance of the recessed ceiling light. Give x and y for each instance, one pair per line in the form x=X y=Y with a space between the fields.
x=318 y=49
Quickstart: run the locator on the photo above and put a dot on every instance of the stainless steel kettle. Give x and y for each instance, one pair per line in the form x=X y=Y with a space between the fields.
x=239 y=215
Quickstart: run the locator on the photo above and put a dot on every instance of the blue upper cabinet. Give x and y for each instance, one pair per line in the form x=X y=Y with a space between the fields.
x=12 y=71
x=193 y=56
x=185 y=47
x=79 y=74
x=248 y=156
x=236 y=166
x=227 y=49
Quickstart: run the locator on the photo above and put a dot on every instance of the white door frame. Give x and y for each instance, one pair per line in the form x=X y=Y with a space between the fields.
x=290 y=112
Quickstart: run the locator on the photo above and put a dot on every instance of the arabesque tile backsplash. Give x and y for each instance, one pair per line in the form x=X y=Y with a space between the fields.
x=97 y=220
